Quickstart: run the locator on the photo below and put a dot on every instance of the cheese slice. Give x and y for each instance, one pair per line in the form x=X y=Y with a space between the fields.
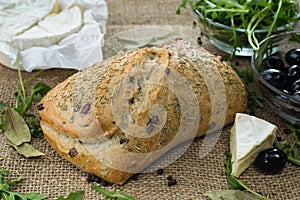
x=249 y=136
x=51 y=30
x=17 y=16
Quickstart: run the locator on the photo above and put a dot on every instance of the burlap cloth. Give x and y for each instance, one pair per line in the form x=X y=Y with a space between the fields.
x=55 y=176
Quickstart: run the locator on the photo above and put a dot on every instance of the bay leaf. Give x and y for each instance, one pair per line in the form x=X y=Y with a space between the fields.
x=15 y=128
x=27 y=150
x=230 y=195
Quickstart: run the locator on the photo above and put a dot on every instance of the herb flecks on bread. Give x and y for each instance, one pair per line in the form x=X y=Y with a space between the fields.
x=117 y=117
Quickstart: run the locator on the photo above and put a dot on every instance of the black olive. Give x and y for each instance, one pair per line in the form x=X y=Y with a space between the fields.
x=86 y=108
x=295 y=86
x=124 y=141
x=296 y=95
x=73 y=152
x=271 y=160
x=275 y=77
x=293 y=73
x=292 y=57
x=274 y=62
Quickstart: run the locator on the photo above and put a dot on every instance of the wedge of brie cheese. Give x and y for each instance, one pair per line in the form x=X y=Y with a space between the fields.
x=51 y=30
x=249 y=136
x=17 y=16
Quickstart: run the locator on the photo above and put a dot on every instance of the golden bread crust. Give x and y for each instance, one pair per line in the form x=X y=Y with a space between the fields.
x=132 y=103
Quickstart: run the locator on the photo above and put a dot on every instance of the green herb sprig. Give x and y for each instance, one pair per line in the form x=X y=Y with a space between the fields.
x=73 y=196
x=17 y=124
x=292 y=150
x=116 y=194
x=248 y=15
x=233 y=182
x=23 y=102
x=7 y=194
x=255 y=98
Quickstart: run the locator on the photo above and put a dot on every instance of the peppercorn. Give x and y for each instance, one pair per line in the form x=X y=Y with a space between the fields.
x=286 y=131
x=105 y=183
x=172 y=182
x=199 y=40
x=98 y=180
x=90 y=178
x=279 y=139
x=135 y=176
x=160 y=171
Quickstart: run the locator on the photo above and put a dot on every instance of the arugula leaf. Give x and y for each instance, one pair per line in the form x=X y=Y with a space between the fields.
x=116 y=194
x=246 y=75
x=292 y=150
x=73 y=196
x=34 y=196
x=296 y=134
x=6 y=194
x=233 y=182
x=248 y=15
x=3 y=108
x=254 y=96
x=39 y=90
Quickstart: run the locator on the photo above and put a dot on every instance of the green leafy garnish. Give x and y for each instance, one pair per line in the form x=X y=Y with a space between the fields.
x=18 y=125
x=247 y=15
x=292 y=150
x=254 y=96
x=116 y=194
x=7 y=194
x=233 y=182
x=73 y=196
x=3 y=109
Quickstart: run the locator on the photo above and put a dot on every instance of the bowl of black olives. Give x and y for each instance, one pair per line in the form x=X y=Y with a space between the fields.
x=276 y=67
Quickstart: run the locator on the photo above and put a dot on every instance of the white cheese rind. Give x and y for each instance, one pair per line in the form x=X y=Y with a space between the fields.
x=19 y=15
x=51 y=30
x=249 y=136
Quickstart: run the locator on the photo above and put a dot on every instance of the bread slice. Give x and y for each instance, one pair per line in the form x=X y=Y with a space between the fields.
x=117 y=117
x=249 y=136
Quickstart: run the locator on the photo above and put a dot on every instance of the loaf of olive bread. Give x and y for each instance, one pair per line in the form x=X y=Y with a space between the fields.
x=117 y=117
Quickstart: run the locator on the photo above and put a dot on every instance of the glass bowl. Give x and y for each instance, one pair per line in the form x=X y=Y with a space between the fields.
x=221 y=36
x=280 y=101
